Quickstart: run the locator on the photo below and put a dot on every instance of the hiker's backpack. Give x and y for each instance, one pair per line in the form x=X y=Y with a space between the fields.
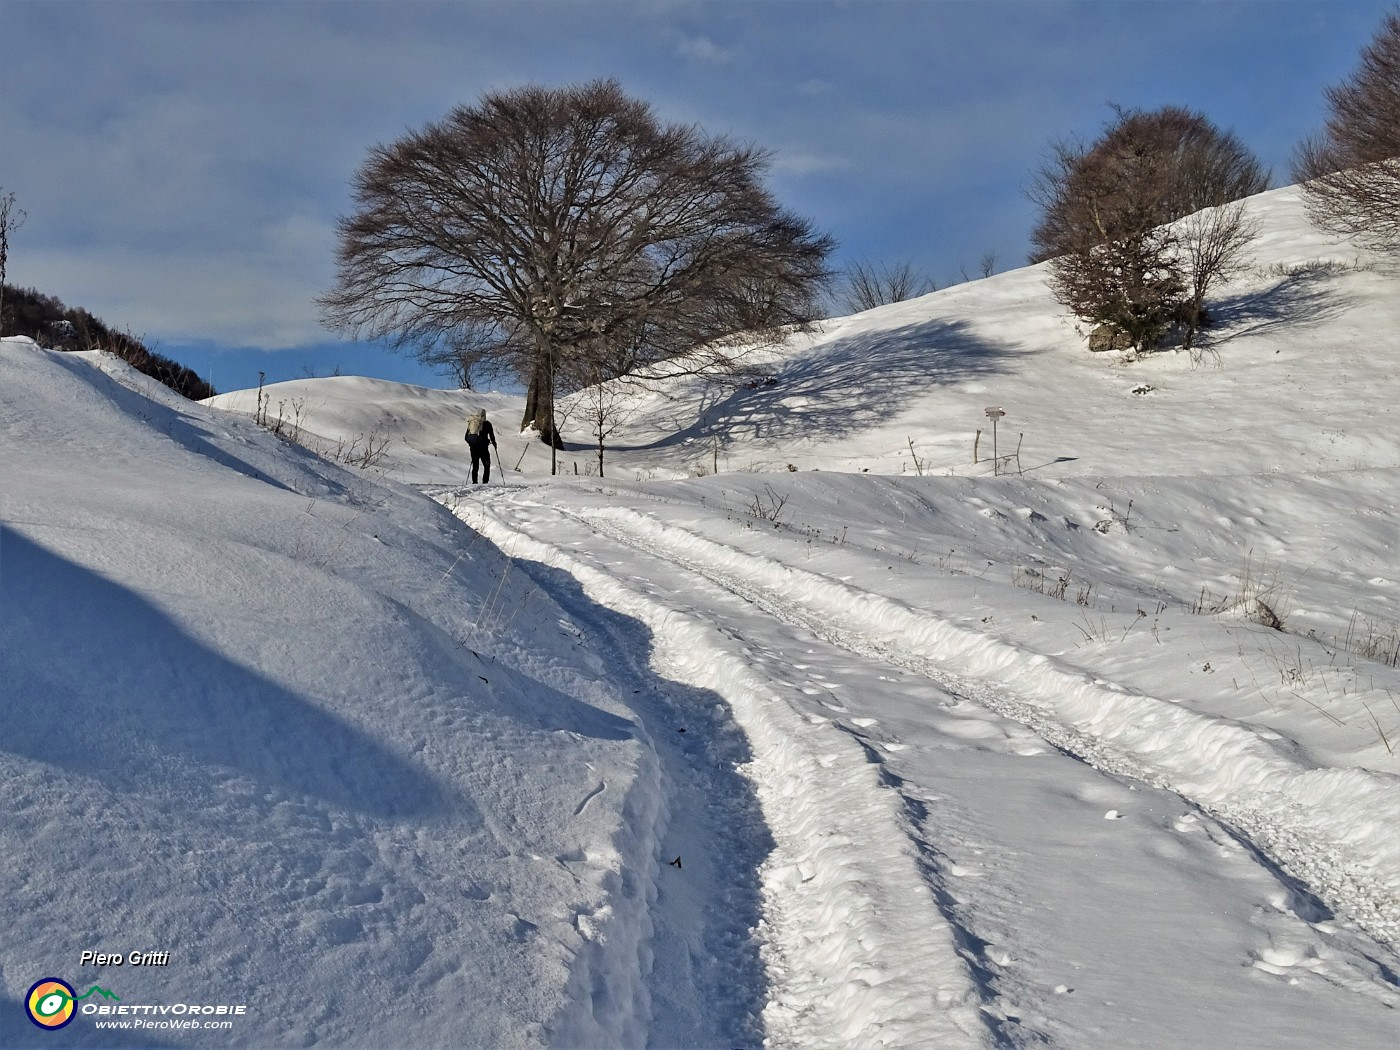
x=475 y=425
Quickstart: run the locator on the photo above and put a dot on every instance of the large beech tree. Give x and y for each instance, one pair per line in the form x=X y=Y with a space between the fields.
x=550 y=233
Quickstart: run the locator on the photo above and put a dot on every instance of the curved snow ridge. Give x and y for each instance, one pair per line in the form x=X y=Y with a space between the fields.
x=843 y=883
x=1337 y=830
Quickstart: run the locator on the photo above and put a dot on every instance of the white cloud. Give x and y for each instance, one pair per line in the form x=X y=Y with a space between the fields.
x=796 y=160
x=261 y=297
x=703 y=49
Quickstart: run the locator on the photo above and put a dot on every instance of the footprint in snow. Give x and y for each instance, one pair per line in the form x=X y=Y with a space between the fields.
x=1288 y=960
x=1113 y=814
x=865 y=723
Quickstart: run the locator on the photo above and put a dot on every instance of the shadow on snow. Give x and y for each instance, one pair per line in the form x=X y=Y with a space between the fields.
x=1298 y=300
x=167 y=701
x=725 y=982
x=847 y=386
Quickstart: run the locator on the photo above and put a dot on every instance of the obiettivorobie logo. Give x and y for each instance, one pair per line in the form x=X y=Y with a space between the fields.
x=51 y=1002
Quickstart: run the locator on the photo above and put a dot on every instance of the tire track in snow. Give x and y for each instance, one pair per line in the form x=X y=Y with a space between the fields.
x=1294 y=816
x=845 y=886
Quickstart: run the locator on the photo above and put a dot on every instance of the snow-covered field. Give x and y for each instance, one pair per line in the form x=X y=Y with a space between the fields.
x=854 y=742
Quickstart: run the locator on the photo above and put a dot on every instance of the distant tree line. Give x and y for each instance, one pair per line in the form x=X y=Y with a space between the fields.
x=47 y=321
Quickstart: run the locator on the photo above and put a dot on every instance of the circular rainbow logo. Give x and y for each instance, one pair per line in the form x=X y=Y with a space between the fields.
x=50 y=1003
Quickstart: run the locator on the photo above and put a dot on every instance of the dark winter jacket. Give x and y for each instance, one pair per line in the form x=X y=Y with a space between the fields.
x=480 y=433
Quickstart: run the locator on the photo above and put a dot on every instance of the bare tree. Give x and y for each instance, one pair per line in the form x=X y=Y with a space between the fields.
x=1351 y=171
x=1212 y=247
x=471 y=354
x=11 y=219
x=986 y=266
x=868 y=285
x=1173 y=160
x=606 y=404
x=1106 y=213
x=542 y=224
x=1133 y=285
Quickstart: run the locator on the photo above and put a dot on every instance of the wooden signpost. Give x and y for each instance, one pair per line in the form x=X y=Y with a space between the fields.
x=994 y=413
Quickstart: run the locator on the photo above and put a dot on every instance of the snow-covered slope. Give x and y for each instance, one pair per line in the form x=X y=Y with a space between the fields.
x=347 y=416
x=855 y=742
x=304 y=732
x=1186 y=582
x=1295 y=378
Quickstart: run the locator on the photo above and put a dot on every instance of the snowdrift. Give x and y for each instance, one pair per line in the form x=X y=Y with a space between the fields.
x=305 y=732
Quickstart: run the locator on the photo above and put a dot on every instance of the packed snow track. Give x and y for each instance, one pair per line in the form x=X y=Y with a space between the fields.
x=969 y=845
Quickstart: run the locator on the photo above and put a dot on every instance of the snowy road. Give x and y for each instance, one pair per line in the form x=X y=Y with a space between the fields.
x=959 y=855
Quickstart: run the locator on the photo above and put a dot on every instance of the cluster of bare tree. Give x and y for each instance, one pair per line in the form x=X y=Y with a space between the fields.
x=1140 y=225
x=1118 y=256
x=566 y=236
x=1351 y=171
x=867 y=285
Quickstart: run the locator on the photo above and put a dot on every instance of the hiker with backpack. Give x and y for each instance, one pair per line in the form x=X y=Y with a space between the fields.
x=481 y=438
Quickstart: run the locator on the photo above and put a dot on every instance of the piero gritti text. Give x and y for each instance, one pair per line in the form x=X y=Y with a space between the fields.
x=129 y=959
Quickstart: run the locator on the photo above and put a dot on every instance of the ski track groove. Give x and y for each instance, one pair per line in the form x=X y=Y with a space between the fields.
x=724 y=817
x=830 y=904
x=1283 y=829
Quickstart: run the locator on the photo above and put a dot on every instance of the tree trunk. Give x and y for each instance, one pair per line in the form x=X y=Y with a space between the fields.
x=539 y=406
x=1195 y=310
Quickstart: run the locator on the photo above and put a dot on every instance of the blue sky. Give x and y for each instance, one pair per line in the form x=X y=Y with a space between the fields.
x=182 y=164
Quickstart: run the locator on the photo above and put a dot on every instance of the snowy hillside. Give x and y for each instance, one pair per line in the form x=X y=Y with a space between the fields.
x=1302 y=355
x=1098 y=748
x=304 y=732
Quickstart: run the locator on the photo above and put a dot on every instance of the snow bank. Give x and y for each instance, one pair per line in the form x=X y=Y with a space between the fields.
x=305 y=732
